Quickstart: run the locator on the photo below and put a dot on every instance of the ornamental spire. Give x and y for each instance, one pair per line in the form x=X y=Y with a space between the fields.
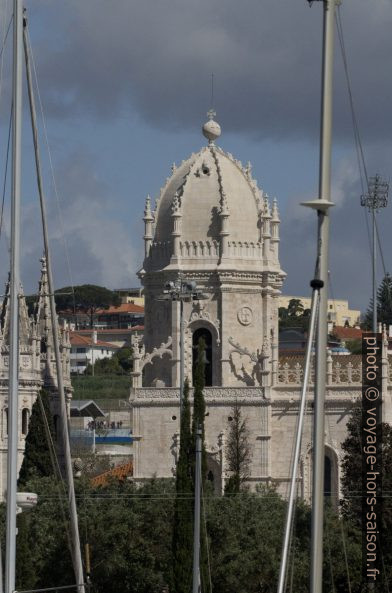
x=211 y=129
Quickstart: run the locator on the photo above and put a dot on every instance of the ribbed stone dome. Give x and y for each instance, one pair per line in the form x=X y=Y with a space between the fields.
x=202 y=184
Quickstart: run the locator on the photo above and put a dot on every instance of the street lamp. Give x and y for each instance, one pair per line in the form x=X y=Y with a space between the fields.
x=374 y=200
x=182 y=291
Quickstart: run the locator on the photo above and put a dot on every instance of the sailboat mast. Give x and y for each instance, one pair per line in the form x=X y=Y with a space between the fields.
x=13 y=436
x=322 y=275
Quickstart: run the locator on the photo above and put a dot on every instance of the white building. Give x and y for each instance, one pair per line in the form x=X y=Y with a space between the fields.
x=37 y=367
x=213 y=225
x=339 y=311
x=87 y=349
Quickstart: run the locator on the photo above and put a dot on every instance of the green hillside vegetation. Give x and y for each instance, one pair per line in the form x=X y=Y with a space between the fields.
x=111 y=378
x=101 y=386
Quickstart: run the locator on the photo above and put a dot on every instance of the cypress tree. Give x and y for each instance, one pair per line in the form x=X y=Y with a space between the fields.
x=238 y=452
x=384 y=304
x=199 y=405
x=183 y=510
x=37 y=459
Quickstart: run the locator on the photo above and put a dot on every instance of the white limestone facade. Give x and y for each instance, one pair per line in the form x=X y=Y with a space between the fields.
x=213 y=225
x=37 y=368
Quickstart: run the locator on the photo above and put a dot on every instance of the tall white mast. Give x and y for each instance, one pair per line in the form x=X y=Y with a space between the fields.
x=322 y=205
x=13 y=436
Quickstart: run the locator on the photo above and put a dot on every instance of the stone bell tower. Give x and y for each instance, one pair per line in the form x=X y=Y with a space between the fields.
x=211 y=224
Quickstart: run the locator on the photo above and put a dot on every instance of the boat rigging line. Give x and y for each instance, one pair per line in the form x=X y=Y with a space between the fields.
x=314 y=309
x=6 y=173
x=50 y=159
x=361 y=161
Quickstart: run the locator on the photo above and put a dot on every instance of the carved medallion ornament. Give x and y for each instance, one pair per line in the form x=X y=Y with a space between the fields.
x=245 y=315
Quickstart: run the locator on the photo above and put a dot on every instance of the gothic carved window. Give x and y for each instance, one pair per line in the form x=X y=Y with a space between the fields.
x=202 y=334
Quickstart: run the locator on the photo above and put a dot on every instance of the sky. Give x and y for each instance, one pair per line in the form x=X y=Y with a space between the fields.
x=125 y=87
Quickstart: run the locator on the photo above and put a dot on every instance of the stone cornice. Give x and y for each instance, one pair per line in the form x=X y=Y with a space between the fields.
x=169 y=396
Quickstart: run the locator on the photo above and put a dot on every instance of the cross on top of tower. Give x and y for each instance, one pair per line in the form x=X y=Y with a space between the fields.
x=211 y=113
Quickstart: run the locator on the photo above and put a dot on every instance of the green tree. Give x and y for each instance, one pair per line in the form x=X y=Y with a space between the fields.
x=118 y=364
x=352 y=490
x=129 y=529
x=384 y=304
x=294 y=315
x=183 y=507
x=128 y=532
x=87 y=298
x=355 y=346
x=295 y=308
x=37 y=458
x=238 y=452
x=105 y=366
x=123 y=355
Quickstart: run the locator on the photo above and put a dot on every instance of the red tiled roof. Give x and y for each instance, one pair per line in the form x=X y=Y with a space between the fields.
x=77 y=340
x=347 y=333
x=112 y=331
x=124 y=308
x=120 y=472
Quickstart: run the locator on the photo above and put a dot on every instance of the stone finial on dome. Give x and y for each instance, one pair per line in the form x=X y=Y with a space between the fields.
x=147 y=209
x=275 y=211
x=267 y=209
x=176 y=203
x=275 y=221
x=211 y=129
x=224 y=208
x=176 y=232
x=224 y=232
x=148 y=221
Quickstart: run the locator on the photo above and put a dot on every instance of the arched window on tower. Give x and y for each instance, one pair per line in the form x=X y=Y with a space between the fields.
x=25 y=421
x=204 y=334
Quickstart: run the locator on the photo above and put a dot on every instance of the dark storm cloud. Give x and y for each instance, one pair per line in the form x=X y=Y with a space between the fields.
x=101 y=58
x=350 y=259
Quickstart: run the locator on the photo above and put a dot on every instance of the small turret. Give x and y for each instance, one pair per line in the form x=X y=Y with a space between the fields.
x=176 y=232
x=266 y=228
x=275 y=222
x=148 y=222
x=224 y=214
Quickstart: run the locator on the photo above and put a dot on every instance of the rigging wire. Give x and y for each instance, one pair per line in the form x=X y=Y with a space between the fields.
x=54 y=182
x=363 y=173
x=62 y=493
x=6 y=174
x=5 y=37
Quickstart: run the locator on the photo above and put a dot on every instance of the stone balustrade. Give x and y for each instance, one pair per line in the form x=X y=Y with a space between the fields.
x=338 y=372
